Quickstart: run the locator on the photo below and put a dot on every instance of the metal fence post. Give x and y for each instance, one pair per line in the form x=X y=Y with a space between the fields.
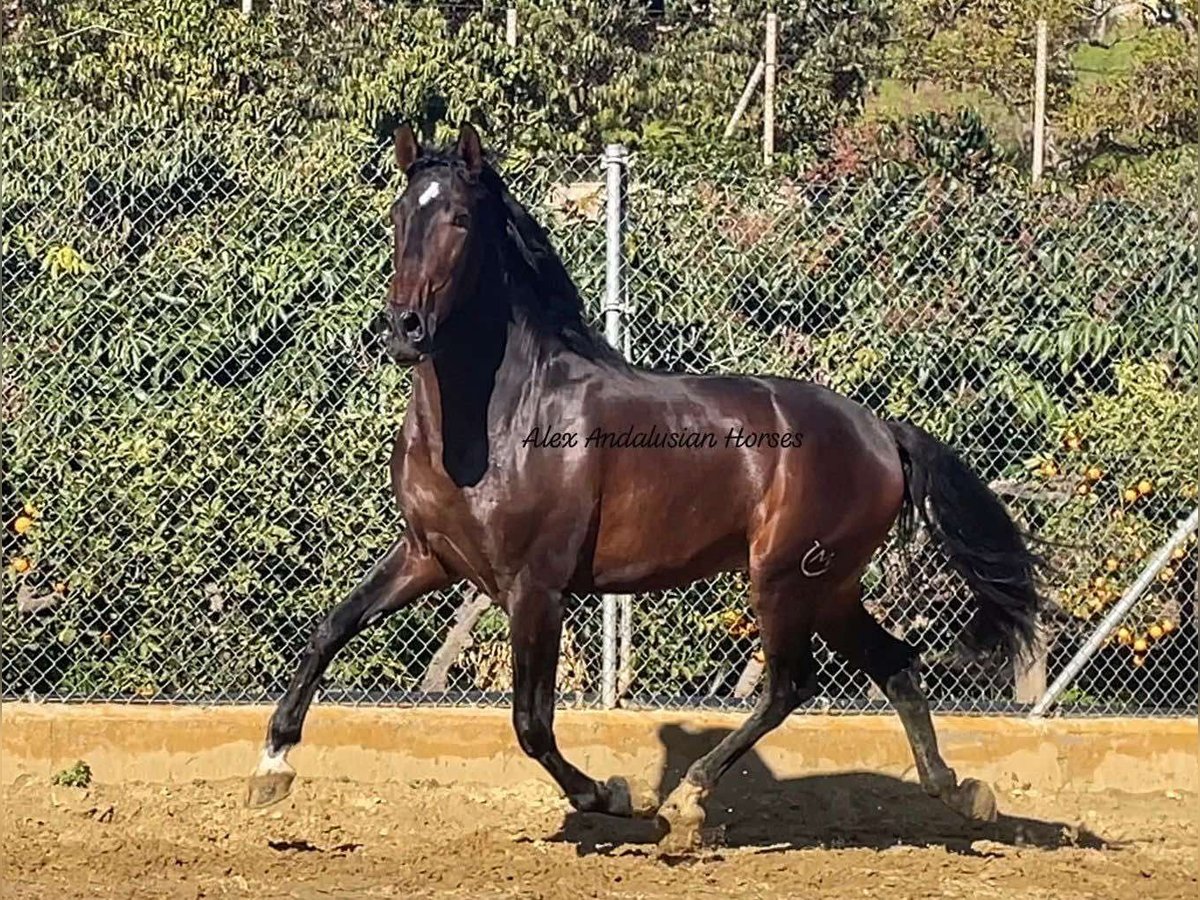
x=1115 y=615
x=616 y=608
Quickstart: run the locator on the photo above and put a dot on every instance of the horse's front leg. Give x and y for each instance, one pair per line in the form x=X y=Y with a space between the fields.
x=535 y=625
x=406 y=572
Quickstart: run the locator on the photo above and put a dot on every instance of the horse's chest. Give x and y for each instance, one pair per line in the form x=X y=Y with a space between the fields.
x=472 y=530
x=510 y=522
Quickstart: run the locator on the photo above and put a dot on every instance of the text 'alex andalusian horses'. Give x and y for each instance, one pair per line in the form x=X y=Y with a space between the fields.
x=535 y=462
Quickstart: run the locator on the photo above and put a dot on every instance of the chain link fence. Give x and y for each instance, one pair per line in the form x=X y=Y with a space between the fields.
x=1051 y=339
x=197 y=411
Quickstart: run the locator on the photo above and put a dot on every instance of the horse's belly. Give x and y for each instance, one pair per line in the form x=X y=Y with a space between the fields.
x=669 y=534
x=657 y=572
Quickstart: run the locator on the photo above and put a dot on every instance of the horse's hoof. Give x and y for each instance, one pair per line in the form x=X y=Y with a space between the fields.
x=680 y=819
x=631 y=798
x=974 y=800
x=678 y=841
x=269 y=788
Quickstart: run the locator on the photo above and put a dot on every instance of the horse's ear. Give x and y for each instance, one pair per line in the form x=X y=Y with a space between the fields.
x=470 y=149
x=408 y=151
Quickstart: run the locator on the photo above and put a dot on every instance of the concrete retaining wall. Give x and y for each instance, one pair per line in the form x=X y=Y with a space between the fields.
x=165 y=743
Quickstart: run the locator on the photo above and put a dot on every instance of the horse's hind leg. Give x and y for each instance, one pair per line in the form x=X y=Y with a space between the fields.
x=404 y=573
x=535 y=626
x=894 y=666
x=785 y=625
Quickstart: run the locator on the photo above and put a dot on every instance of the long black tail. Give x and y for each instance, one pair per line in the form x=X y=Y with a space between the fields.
x=982 y=542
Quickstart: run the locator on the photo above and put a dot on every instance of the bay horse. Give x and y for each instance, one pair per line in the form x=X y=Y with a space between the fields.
x=513 y=475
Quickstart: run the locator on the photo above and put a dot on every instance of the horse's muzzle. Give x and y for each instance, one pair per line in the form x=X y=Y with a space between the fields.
x=410 y=337
x=403 y=352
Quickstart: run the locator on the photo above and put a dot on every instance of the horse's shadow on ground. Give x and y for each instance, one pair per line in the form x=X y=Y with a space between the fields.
x=854 y=809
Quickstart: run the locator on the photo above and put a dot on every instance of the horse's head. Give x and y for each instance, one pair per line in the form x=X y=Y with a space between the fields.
x=439 y=219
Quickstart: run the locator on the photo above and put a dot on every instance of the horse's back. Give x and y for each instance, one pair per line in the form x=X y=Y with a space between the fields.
x=813 y=410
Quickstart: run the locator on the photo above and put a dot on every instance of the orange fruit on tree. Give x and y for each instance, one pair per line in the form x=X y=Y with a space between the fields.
x=1156 y=632
x=1166 y=574
x=1093 y=473
x=1129 y=495
x=23 y=524
x=1145 y=486
x=1140 y=645
x=1168 y=626
x=30 y=510
x=1178 y=553
x=1124 y=635
x=60 y=587
x=1083 y=489
x=1112 y=564
x=21 y=565
x=1139 y=660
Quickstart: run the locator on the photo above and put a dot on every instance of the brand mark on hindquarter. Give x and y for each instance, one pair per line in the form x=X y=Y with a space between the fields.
x=816 y=561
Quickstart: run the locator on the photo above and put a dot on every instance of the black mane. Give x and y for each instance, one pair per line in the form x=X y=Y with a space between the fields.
x=552 y=303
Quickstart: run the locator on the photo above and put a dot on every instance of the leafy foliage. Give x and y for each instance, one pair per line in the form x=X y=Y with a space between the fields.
x=1150 y=104
x=583 y=70
x=194 y=244
x=78 y=775
x=989 y=44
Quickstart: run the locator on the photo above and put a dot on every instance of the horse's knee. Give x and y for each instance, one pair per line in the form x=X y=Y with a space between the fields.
x=888 y=656
x=798 y=688
x=323 y=638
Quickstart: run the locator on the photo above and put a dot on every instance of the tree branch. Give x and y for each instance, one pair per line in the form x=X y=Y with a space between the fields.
x=465 y=617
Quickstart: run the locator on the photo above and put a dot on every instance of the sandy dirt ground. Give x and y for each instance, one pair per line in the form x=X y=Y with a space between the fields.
x=835 y=836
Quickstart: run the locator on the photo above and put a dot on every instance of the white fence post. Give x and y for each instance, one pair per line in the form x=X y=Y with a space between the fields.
x=769 y=91
x=744 y=101
x=1039 y=103
x=247 y=7
x=615 y=675
x=510 y=25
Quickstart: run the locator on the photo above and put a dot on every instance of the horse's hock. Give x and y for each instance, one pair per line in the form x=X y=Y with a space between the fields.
x=178 y=744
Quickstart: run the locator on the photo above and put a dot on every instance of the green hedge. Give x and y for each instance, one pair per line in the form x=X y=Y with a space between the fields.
x=194 y=405
x=196 y=409
x=1002 y=320
x=583 y=71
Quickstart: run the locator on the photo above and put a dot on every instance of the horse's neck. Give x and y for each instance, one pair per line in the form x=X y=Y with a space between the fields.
x=468 y=396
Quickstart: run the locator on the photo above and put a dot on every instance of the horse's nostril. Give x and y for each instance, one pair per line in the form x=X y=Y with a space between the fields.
x=411 y=323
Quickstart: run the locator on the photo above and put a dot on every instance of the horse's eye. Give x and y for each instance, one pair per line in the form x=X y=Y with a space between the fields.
x=460 y=220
